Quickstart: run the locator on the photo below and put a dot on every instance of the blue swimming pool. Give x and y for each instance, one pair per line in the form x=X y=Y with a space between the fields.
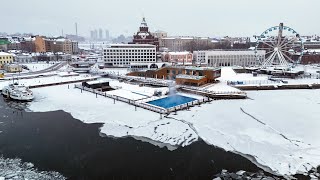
x=171 y=101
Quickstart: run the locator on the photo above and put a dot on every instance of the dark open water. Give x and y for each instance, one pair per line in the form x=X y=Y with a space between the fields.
x=56 y=141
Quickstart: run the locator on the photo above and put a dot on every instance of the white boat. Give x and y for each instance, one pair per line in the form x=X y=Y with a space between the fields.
x=18 y=92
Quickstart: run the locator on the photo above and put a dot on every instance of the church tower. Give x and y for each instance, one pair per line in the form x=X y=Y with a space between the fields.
x=143 y=36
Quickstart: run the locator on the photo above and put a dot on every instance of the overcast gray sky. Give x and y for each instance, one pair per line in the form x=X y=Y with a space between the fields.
x=177 y=17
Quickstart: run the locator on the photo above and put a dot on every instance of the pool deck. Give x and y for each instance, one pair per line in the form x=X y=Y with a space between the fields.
x=215 y=95
x=143 y=102
x=171 y=101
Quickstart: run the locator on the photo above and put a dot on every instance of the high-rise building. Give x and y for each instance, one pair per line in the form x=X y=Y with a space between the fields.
x=107 y=35
x=91 y=35
x=95 y=34
x=100 y=34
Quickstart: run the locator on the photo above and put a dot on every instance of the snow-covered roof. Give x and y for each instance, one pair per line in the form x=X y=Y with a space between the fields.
x=143 y=34
x=240 y=52
x=98 y=81
x=184 y=76
x=5 y=54
x=14 y=51
x=194 y=68
x=61 y=40
x=253 y=39
x=187 y=38
x=29 y=39
x=62 y=74
x=312 y=50
x=160 y=31
x=179 y=53
x=130 y=45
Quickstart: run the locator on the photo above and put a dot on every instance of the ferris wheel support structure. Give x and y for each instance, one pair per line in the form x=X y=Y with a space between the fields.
x=279 y=47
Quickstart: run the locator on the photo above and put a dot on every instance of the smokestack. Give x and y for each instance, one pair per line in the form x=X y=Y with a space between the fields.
x=76 y=29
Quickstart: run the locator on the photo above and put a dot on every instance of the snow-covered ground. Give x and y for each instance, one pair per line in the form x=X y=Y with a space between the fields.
x=136 y=89
x=313 y=69
x=38 y=66
x=276 y=127
x=221 y=87
x=46 y=80
x=228 y=74
x=247 y=79
x=120 y=118
x=114 y=71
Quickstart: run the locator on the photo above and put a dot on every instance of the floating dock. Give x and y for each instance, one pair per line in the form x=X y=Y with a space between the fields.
x=215 y=94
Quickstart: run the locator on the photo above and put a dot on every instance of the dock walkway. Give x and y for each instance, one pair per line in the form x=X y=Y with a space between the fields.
x=214 y=94
x=63 y=82
x=278 y=86
x=143 y=104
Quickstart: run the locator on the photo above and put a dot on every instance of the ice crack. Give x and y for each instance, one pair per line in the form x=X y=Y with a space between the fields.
x=278 y=132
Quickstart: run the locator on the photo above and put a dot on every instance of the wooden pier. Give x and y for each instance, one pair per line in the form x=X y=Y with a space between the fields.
x=138 y=80
x=144 y=105
x=61 y=83
x=215 y=94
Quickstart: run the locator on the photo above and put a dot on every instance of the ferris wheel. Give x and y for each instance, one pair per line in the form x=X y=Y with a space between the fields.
x=282 y=45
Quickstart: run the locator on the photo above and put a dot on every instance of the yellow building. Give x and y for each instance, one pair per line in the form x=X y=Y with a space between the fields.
x=5 y=58
x=12 y=68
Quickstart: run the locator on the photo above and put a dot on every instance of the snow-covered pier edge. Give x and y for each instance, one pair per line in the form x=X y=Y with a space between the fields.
x=150 y=107
x=278 y=87
x=63 y=82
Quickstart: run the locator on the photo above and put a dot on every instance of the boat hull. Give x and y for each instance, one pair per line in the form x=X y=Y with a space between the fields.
x=18 y=95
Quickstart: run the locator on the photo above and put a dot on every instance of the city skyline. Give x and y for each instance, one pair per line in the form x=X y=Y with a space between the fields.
x=210 y=19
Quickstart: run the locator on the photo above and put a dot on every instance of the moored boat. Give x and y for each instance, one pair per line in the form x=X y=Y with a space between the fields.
x=17 y=92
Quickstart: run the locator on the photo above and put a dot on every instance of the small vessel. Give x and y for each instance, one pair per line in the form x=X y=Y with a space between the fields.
x=17 y=92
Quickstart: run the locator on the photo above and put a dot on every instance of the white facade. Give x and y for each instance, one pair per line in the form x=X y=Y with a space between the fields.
x=23 y=58
x=200 y=57
x=229 y=58
x=125 y=54
x=182 y=43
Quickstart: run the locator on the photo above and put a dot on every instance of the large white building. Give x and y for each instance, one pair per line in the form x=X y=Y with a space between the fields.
x=124 y=54
x=184 y=43
x=218 y=58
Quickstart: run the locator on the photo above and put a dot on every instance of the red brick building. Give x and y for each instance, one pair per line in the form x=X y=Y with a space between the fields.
x=310 y=59
x=177 y=57
x=143 y=36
